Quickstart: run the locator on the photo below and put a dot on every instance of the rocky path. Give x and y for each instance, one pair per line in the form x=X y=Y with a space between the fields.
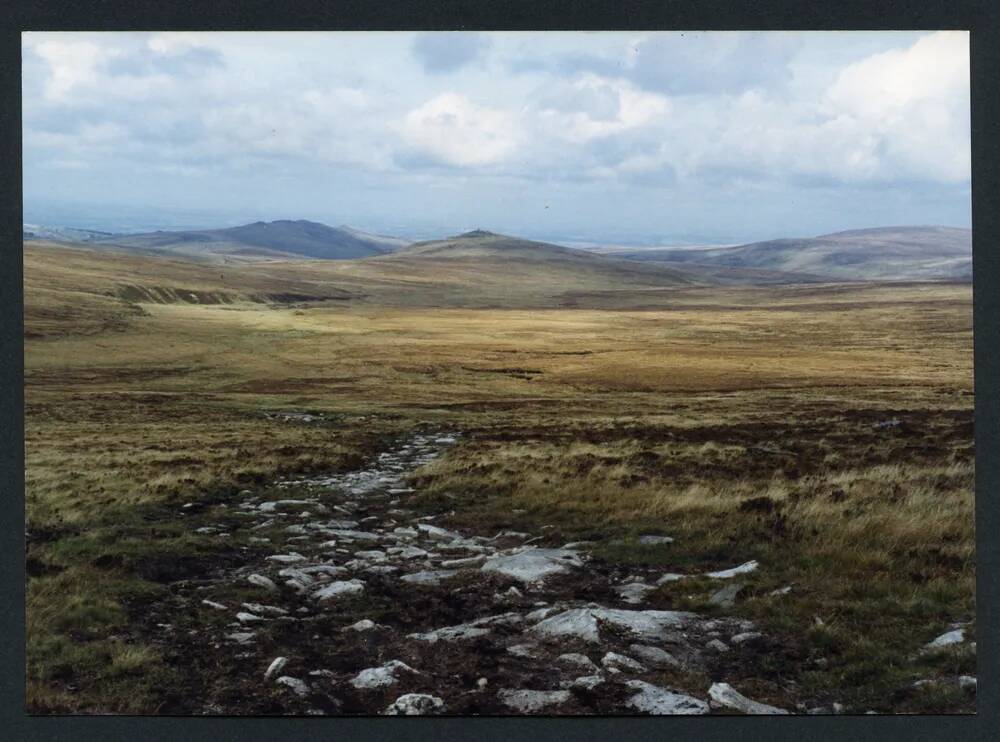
x=348 y=602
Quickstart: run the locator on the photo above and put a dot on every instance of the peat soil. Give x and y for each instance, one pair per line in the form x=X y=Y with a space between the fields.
x=332 y=596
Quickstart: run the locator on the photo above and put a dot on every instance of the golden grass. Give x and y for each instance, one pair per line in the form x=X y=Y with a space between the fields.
x=670 y=416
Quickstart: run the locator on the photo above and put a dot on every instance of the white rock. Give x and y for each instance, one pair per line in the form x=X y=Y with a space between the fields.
x=670 y=577
x=655 y=540
x=339 y=589
x=381 y=677
x=741 y=569
x=286 y=558
x=365 y=624
x=262 y=581
x=533 y=565
x=725 y=695
x=582 y=623
x=270 y=507
x=275 y=667
x=967 y=681
x=526 y=651
x=213 y=604
x=405 y=531
x=578 y=544
x=438 y=534
x=241 y=637
x=428 y=576
x=243 y=617
x=587 y=682
x=528 y=701
x=408 y=552
x=956 y=636
x=298 y=687
x=717 y=645
x=320 y=569
x=781 y=591
x=270 y=610
x=474 y=561
x=415 y=704
x=615 y=661
x=634 y=592
x=470 y=630
x=650 y=699
x=654 y=656
x=349 y=535
x=746 y=636
x=576 y=660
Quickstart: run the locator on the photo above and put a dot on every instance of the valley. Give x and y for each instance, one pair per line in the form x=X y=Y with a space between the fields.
x=396 y=423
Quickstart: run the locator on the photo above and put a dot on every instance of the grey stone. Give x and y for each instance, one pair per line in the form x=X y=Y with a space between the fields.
x=415 y=704
x=529 y=701
x=651 y=699
x=725 y=695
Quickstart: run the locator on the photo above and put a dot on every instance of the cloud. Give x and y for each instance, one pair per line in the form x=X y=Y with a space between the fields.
x=446 y=52
x=455 y=130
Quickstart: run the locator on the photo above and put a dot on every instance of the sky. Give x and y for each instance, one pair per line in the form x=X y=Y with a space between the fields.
x=621 y=138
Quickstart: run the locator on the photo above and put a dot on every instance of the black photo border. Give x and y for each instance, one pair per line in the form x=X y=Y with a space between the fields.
x=977 y=16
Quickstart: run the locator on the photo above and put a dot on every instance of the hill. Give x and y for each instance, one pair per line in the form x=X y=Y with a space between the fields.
x=879 y=254
x=282 y=239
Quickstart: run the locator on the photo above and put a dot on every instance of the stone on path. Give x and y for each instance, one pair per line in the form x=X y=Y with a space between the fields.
x=725 y=695
x=339 y=589
x=381 y=677
x=741 y=569
x=261 y=581
x=298 y=687
x=669 y=577
x=583 y=623
x=634 y=592
x=438 y=534
x=726 y=597
x=615 y=661
x=651 y=699
x=275 y=667
x=528 y=701
x=654 y=656
x=533 y=565
x=947 y=639
x=429 y=576
x=415 y=704
x=651 y=540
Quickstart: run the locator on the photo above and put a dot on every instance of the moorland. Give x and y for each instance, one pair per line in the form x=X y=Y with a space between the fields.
x=672 y=420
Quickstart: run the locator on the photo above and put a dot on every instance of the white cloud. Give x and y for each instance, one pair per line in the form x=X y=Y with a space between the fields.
x=71 y=63
x=459 y=132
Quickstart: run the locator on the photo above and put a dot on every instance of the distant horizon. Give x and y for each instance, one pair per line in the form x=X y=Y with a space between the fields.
x=610 y=137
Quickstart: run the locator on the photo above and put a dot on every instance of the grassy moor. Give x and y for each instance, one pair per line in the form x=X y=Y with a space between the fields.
x=656 y=423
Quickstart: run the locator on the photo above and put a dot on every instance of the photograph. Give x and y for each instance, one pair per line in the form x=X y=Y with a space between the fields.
x=498 y=373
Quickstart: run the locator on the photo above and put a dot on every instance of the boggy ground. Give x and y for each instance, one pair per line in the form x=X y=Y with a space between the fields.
x=826 y=434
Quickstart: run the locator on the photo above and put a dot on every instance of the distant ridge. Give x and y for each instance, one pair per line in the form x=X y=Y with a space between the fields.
x=283 y=238
x=876 y=254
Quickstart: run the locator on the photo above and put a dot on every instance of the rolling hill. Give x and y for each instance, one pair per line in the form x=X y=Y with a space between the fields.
x=878 y=254
x=283 y=239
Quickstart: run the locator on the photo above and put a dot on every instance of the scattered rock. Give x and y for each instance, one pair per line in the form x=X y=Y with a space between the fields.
x=381 y=677
x=213 y=604
x=634 y=592
x=583 y=623
x=587 y=682
x=275 y=667
x=746 y=636
x=651 y=540
x=621 y=662
x=428 y=576
x=297 y=686
x=650 y=699
x=438 y=534
x=415 y=704
x=526 y=651
x=726 y=597
x=244 y=617
x=725 y=695
x=577 y=661
x=262 y=581
x=717 y=646
x=533 y=565
x=654 y=656
x=529 y=701
x=270 y=610
x=669 y=577
x=286 y=558
x=339 y=589
x=956 y=636
x=967 y=681
x=742 y=569
x=241 y=637
x=365 y=624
